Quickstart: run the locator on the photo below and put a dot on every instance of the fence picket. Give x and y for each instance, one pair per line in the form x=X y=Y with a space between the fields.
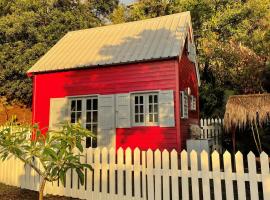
x=228 y=175
x=120 y=172
x=166 y=179
x=128 y=182
x=265 y=175
x=216 y=175
x=194 y=175
x=240 y=177
x=184 y=177
x=149 y=172
x=158 y=188
x=252 y=172
x=175 y=182
x=205 y=174
x=137 y=174
x=104 y=174
x=112 y=172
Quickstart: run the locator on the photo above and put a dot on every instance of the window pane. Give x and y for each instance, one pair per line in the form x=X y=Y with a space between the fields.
x=156 y=118
x=88 y=126
x=94 y=128
x=136 y=109
x=95 y=104
x=88 y=117
x=136 y=99
x=136 y=118
x=155 y=98
x=141 y=109
x=95 y=116
x=150 y=99
x=141 y=118
x=150 y=108
x=79 y=116
x=72 y=117
x=141 y=99
x=155 y=108
x=79 y=105
x=73 y=105
x=94 y=142
x=150 y=118
x=88 y=104
x=88 y=142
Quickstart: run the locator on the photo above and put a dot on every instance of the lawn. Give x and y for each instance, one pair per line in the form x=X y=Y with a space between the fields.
x=14 y=193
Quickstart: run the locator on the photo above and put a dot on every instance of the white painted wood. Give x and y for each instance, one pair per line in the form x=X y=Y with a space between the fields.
x=166 y=180
x=157 y=172
x=104 y=170
x=96 y=192
x=175 y=182
x=252 y=172
x=123 y=111
x=106 y=121
x=265 y=175
x=137 y=174
x=149 y=172
x=240 y=177
x=228 y=175
x=205 y=174
x=112 y=181
x=194 y=175
x=166 y=108
x=129 y=185
x=144 y=183
x=184 y=175
x=58 y=112
x=216 y=175
x=120 y=175
x=90 y=173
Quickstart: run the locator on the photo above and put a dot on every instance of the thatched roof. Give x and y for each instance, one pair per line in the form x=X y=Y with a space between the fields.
x=244 y=109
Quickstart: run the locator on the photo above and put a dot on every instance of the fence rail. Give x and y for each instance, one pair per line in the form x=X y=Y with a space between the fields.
x=154 y=175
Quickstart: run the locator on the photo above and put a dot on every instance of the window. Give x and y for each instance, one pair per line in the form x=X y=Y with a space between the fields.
x=184 y=105
x=145 y=109
x=193 y=103
x=85 y=111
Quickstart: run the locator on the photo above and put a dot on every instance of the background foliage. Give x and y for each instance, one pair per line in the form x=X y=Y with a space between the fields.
x=232 y=38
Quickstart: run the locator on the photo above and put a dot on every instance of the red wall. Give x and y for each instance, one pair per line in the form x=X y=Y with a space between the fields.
x=188 y=78
x=159 y=75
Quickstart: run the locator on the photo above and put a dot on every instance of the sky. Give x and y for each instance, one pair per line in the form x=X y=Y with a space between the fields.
x=126 y=1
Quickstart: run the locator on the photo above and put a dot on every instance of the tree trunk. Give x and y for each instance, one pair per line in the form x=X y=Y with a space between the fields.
x=41 y=188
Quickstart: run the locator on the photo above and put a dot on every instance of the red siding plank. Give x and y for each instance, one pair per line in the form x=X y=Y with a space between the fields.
x=159 y=75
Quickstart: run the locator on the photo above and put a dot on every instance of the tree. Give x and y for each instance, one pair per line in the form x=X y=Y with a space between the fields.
x=56 y=151
x=27 y=30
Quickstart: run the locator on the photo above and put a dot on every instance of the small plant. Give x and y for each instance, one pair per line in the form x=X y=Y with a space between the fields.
x=56 y=151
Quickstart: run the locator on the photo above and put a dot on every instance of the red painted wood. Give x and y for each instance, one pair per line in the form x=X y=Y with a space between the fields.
x=159 y=75
x=188 y=78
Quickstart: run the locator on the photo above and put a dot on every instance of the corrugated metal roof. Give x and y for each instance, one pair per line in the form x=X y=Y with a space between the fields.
x=156 y=38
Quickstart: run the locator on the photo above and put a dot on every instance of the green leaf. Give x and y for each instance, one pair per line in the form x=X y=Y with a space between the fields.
x=80 y=175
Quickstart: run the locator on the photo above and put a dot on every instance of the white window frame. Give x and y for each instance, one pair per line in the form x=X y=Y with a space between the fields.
x=84 y=112
x=184 y=104
x=193 y=103
x=146 y=106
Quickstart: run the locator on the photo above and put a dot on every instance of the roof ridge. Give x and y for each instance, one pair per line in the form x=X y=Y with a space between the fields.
x=126 y=23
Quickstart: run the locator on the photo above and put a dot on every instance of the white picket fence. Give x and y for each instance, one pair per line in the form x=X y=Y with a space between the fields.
x=212 y=128
x=154 y=176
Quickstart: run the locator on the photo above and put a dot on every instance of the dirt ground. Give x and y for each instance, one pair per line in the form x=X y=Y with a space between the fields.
x=14 y=193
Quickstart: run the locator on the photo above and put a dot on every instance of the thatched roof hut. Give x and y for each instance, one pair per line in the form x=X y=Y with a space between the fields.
x=241 y=110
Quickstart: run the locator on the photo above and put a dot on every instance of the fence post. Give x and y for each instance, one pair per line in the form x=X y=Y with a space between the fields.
x=265 y=175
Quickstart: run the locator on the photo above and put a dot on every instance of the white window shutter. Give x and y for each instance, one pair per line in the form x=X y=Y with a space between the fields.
x=58 y=112
x=106 y=121
x=166 y=108
x=123 y=114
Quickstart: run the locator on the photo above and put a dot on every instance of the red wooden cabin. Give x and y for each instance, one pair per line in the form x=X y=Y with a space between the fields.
x=134 y=84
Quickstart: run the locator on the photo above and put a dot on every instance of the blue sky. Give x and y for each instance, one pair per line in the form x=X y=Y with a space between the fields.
x=126 y=1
